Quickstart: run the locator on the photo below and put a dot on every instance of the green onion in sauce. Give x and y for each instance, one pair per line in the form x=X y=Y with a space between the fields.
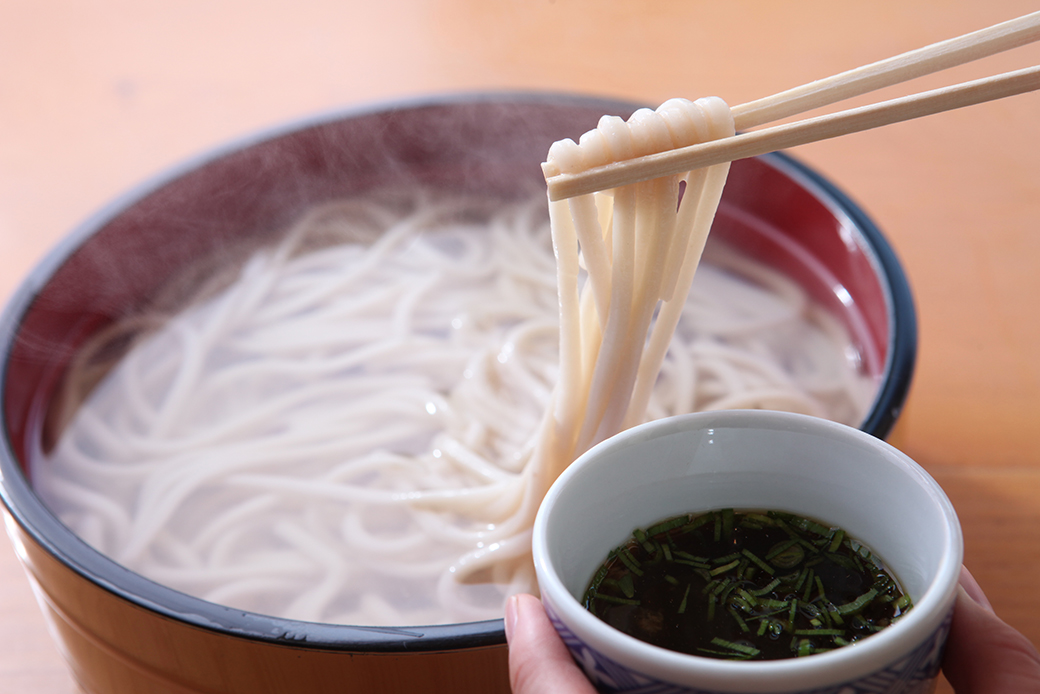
x=745 y=585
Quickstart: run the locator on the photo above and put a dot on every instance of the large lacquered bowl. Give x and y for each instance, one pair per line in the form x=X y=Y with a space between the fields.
x=123 y=633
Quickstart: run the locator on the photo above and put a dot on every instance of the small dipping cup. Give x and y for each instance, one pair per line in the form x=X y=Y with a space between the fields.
x=752 y=460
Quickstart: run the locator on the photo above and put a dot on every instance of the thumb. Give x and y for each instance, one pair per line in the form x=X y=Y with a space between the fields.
x=983 y=654
x=538 y=660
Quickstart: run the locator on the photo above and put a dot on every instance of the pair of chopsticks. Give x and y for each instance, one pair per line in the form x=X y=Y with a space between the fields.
x=906 y=66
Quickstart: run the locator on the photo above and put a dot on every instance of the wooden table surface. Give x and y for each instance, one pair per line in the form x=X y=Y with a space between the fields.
x=96 y=96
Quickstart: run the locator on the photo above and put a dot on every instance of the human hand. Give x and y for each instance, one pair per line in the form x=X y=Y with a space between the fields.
x=983 y=654
x=539 y=661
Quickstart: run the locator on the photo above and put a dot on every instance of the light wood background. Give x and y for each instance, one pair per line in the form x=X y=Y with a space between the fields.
x=95 y=96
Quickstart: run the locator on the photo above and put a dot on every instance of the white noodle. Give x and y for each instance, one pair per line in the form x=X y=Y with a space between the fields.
x=360 y=427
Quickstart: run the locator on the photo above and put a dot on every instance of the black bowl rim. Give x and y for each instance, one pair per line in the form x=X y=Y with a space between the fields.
x=55 y=538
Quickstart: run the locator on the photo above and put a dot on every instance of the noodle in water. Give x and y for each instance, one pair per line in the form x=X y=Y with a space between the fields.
x=359 y=428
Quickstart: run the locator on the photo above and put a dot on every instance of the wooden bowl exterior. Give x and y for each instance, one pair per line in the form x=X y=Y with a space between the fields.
x=116 y=647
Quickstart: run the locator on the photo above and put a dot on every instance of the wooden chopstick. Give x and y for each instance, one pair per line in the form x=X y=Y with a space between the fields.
x=884 y=73
x=752 y=144
x=938 y=56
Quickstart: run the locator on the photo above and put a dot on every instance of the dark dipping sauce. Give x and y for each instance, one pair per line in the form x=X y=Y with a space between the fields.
x=745 y=585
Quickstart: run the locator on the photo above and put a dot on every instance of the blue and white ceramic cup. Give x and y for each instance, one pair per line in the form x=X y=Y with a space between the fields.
x=752 y=460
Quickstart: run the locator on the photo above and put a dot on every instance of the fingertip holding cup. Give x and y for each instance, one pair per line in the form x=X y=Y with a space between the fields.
x=752 y=460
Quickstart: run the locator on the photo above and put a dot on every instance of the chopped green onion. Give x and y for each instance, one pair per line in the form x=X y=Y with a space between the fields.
x=801 y=578
x=629 y=561
x=739 y=647
x=697 y=522
x=691 y=557
x=695 y=564
x=790 y=557
x=665 y=526
x=858 y=604
x=725 y=567
x=834 y=615
x=740 y=621
x=726 y=559
x=740 y=602
x=627 y=586
x=767 y=588
x=808 y=586
x=842 y=561
x=682 y=605
x=819 y=632
x=642 y=539
x=761 y=564
x=770 y=568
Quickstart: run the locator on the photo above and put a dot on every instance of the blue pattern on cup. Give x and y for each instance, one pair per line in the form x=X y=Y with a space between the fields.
x=914 y=674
